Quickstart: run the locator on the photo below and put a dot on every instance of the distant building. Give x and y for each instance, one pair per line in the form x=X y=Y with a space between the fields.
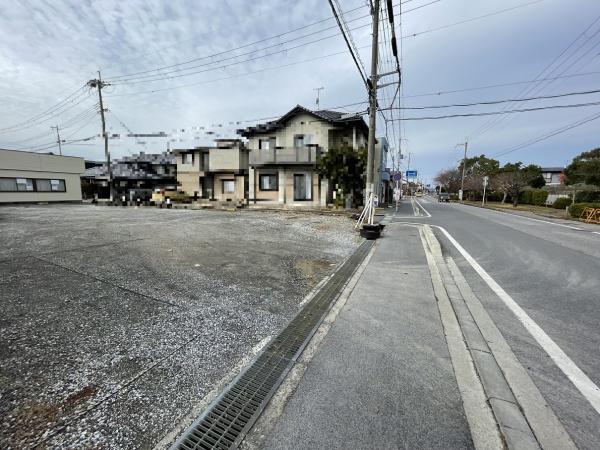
x=554 y=176
x=218 y=173
x=381 y=178
x=33 y=177
x=135 y=176
x=284 y=155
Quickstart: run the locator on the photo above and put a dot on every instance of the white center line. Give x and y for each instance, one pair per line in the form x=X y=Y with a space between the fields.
x=424 y=210
x=581 y=381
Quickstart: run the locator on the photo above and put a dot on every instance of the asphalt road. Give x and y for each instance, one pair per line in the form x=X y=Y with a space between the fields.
x=551 y=269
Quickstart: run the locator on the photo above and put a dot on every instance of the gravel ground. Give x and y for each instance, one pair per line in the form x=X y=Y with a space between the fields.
x=116 y=322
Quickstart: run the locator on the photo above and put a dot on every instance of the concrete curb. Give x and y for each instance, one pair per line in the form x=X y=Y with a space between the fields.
x=524 y=418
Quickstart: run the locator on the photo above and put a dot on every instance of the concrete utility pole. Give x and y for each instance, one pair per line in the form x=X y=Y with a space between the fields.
x=58 y=140
x=99 y=84
x=462 y=182
x=319 y=89
x=372 y=98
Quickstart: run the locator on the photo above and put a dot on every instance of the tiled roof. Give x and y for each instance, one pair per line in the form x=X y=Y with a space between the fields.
x=324 y=114
x=127 y=167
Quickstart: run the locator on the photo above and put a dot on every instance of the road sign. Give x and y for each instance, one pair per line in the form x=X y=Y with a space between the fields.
x=411 y=174
x=397 y=176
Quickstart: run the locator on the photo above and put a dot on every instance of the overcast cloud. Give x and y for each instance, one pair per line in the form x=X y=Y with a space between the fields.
x=50 y=48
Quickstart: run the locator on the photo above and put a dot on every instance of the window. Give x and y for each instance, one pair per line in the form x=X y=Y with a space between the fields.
x=266 y=144
x=42 y=185
x=302 y=186
x=228 y=186
x=187 y=158
x=25 y=184
x=299 y=141
x=31 y=185
x=268 y=182
x=205 y=162
x=57 y=185
x=8 y=184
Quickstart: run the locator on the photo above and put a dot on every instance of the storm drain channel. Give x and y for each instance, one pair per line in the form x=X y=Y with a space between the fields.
x=227 y=420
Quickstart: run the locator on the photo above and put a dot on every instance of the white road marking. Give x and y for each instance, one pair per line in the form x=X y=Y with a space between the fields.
x=581 y=381
x=424 y=210
x=416 y=210
x=537 y=220
x=596 y=232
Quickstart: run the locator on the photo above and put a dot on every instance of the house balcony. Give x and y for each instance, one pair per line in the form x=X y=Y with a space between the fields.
x=285 y=155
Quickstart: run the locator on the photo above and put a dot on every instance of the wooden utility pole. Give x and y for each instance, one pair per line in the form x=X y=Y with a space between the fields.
x=99 y=84
x=372 y=99
x=58 y=140
x=462 y=182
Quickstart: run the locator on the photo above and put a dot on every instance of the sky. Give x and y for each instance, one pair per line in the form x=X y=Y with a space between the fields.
x=244 y=62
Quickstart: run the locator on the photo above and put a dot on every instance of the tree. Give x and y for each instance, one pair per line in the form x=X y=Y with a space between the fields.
x=448 y=179
x=513 y=178
x=585 y=168
x=480 y=166
x=346 y=168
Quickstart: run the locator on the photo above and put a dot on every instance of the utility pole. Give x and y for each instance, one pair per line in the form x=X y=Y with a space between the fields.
x=58 y=140
x=372 y=98
x=319 y=89
x=99 y=84
x=462 y=182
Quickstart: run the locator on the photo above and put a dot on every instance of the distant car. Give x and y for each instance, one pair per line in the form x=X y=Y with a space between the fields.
x=443 y=197
x=419 y=194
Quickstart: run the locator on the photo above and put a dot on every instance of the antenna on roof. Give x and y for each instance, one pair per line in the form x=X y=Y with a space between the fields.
x=319 y=89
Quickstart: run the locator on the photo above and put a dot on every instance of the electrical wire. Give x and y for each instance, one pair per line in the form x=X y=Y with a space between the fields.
x=493 y=113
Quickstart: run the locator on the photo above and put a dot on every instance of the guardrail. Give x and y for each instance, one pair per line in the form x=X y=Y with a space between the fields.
x=591 y=215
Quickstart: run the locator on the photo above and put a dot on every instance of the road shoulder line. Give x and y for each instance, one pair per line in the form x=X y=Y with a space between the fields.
x=579 y=379
x=548 y=430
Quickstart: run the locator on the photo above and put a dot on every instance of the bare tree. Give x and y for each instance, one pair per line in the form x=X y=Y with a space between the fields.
x=449 y=179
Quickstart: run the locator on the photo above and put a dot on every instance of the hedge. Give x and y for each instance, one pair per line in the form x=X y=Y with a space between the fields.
x=534 y=197
x=576 y=209
x=587 y=197
x=561 y=202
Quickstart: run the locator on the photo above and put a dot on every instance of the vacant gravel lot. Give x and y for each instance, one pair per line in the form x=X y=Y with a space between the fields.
x=116 y=322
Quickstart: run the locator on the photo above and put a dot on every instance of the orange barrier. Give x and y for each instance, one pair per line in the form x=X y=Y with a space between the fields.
x=591 y=215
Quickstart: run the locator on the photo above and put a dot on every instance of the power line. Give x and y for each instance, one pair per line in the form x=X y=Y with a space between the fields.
x=489 y=124
x=492 y=86
x=510 y=111
x=168 y=75
x=349 y=42
x=443 y=27
x=495 y=102
x=550 y=134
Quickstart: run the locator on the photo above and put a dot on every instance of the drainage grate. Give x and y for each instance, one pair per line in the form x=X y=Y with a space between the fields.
x=225 y=423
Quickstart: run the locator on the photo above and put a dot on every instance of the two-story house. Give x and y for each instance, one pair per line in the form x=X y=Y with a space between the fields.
x=216 y=173
x=553 y=176
x=284 y=155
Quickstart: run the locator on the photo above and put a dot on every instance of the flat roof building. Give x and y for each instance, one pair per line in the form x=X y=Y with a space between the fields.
x=33 y=177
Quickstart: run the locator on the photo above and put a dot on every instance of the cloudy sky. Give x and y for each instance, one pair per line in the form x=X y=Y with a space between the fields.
x=204 y=66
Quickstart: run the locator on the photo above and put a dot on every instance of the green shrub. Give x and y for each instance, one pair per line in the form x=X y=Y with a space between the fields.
x=561 y=202
x=576 y=209
x=587 y=197
x=534 y=197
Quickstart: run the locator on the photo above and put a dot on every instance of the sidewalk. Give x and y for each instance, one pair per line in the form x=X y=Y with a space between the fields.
x=400 y=362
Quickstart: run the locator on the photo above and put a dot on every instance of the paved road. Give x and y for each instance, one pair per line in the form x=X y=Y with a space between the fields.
x=551 y=269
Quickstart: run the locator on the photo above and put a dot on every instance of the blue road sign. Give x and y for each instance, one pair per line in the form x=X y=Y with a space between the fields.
x=397 y=176
x=411 y=173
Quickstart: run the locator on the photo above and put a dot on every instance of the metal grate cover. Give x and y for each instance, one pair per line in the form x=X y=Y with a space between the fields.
x=227 y=420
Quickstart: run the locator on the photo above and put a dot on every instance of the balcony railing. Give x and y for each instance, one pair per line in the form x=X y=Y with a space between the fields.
x=285 y=155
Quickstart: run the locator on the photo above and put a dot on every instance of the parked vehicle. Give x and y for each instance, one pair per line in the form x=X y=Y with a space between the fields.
x=443 y=197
